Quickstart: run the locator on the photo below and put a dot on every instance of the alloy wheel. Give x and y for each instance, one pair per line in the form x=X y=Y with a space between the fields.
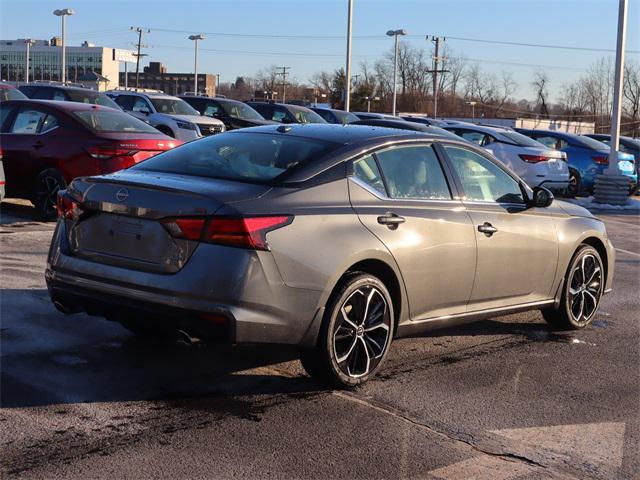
x=362 y=332
x=585 y=288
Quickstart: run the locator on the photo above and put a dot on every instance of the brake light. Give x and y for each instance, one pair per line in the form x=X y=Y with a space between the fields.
x=67 y=207
x=242 y=232
x=601 y=160
x=105 y=152
x=533 y=158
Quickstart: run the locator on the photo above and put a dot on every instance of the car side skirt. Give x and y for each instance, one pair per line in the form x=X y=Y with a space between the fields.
x=418 y=326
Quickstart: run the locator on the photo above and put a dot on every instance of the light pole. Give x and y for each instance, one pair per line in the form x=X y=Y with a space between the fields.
x=29 y=43
x=395 y=33
x=473 y=109
x=64 y=13
x=368 y=99
x=347 y=92
x=612 y=187
x=195 y=38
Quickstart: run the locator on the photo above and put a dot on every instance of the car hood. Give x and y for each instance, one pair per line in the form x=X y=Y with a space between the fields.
x=573 y=209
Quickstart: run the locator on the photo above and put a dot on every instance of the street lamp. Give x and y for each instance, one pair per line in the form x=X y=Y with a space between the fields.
x=64 y=13
x=368 y=99
x=473 y=109
x=195 y=38
x=29 y=43
x=395 y=33
x=347 y=92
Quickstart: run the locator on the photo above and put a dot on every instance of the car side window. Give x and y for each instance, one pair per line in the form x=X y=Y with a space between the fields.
x=41 y=94
x=28 y=121
x=4 y=114
x=140 y=105
x=279 y=115
x=366 y=169
x=474 y=137
x=50 y=122
x=58 y=95
x=326 y=115
x=413 y=172
x=212 y=110
x=124 y=101
x=481 y=179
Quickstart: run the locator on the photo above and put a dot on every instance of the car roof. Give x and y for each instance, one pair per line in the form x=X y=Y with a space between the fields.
x=337 y=133
x=61 y=105
x=6 y=85
x=63 y=87
x=479 y=128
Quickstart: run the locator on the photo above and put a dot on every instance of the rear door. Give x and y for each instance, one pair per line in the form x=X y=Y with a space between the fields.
x=402 y=196
x=517 y=246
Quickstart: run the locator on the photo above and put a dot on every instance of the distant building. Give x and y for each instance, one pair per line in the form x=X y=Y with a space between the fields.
x=46 y=59
x=156 y=77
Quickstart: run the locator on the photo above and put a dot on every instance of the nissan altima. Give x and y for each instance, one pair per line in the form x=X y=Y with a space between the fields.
x=336 y=239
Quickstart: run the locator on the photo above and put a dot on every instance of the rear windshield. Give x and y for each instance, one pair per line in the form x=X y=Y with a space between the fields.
x=107 y=121
x=304 y=115
x=11 y=94
x=241 y=110
x=345 y=117
x=91 y=97
x=252 y=157
x=521 y=139
x=590 y=143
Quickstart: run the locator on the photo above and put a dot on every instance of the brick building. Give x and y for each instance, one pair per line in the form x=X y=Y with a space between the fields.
x=156 y=77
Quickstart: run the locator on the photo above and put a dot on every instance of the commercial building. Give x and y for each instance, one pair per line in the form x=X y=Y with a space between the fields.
x=46 y=60
x=156 y=77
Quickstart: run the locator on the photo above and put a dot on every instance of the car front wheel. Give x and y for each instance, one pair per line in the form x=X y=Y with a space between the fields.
x=582 y=290
x=356 y=333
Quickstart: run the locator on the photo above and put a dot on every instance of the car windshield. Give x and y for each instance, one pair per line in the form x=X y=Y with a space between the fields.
x=173 y=106
x=250 y=157
x=443 y=132
x=521 y=139
x=345 y=117
x=11 y=94
x=241 y=111
x=304 y=115
x=109 y=121
x=93 y=98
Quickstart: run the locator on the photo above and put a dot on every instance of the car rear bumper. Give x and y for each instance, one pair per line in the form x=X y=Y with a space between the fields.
x=239 y=290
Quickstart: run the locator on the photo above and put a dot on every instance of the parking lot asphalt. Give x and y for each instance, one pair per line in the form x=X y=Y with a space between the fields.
x=505 y=398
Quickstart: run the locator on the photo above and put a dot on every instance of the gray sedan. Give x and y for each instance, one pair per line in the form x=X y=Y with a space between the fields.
x=332 y=238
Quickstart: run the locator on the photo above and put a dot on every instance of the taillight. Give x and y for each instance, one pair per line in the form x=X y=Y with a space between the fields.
x=67 y=207
x=601 y=160
x=533 y=158
x=105 y=152
x=242 y=232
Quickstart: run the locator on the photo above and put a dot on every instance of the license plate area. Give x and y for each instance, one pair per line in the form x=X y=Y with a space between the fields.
x=137 y=243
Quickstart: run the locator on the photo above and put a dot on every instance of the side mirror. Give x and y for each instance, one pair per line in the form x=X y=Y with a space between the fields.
x=542 y=197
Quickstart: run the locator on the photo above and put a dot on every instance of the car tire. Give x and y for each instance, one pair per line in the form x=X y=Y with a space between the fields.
x=45 y=192
x=575 y=184
x=356 y=332
x=166 y=130
x=581 y=291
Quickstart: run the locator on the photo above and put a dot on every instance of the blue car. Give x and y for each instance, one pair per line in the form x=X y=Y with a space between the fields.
x=586 y=157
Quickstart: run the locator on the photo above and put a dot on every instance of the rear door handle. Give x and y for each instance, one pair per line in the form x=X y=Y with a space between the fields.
x=391 y=220
x=487 y=229
x=38 y=144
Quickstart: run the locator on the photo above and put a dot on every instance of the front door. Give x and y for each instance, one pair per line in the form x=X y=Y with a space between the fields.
x=401 y=195
x=517 y=246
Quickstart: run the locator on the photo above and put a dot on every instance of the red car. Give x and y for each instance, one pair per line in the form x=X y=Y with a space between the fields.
x=46 y=144
x=9 y=92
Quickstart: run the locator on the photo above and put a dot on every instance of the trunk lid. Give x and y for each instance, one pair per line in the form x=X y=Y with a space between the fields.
x=119 y=216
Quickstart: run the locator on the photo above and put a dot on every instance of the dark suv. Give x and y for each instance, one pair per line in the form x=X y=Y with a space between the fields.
x=232 y=113
x=67 y=94
x=285 y=113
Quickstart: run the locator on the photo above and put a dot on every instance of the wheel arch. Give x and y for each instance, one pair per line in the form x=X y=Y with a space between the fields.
x=596 y=243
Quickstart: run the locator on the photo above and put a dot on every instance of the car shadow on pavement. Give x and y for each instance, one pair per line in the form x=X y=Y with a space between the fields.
x=50 y=358
x=17 y=211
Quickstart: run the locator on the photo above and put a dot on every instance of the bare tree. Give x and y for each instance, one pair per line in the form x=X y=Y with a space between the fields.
x=539 y=84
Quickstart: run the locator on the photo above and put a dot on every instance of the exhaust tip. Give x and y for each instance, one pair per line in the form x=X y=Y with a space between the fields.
x=66 y=309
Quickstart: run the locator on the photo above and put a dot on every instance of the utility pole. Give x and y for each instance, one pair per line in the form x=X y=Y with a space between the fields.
x=347 y=90
x=395 y=34
x=196 y=38
x=140 y=31
x=436 y=60
x=612 y=187
x=284 y=73
x=64 y=13
x=29 y=42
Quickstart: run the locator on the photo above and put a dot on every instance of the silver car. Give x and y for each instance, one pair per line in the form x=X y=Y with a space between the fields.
x=332 y=238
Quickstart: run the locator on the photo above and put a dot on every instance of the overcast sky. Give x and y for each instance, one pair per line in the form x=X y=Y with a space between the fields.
x=244 y=36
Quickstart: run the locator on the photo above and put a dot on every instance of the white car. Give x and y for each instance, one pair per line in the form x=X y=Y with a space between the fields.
x=535 y=163
x=171 y=115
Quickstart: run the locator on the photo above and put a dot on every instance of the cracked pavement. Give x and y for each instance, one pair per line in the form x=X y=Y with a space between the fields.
x=501 y=399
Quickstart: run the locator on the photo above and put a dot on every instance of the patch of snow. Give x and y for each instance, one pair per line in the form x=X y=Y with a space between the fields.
x=633 y=203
